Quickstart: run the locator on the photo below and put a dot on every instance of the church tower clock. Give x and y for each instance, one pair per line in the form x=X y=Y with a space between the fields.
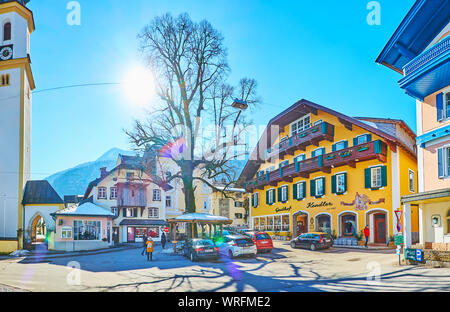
x=16 y=84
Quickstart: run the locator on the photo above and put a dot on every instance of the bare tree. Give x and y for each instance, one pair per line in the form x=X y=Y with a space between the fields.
x=189 y=63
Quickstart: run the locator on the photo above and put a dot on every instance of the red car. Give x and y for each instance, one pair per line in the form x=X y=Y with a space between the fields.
x=262 y=240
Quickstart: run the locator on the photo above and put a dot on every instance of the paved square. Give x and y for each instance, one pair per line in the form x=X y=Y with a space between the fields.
x=285 y=269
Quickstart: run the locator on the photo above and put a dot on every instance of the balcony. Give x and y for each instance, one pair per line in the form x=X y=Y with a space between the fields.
x=131 y=194
x=429 y=71
x=345 y=157
x=311 y=136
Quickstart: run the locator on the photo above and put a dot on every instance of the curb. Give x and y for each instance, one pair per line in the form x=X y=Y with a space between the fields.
x=44 y=258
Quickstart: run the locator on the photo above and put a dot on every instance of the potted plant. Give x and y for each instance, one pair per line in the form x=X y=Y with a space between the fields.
x=104 y=239
x=391 y=242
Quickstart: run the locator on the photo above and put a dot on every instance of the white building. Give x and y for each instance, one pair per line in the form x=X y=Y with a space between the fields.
x=16 y=84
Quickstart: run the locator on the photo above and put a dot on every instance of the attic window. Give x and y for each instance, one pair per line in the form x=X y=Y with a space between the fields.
x=4 y=80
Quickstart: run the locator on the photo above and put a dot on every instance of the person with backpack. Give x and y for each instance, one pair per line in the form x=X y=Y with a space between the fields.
x=150 y=244
x=144 y=246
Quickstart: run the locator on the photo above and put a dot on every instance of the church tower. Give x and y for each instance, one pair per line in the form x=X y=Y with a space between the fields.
x=16 y=84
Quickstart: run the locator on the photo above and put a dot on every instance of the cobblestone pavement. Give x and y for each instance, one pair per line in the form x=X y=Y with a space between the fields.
x=285 y=269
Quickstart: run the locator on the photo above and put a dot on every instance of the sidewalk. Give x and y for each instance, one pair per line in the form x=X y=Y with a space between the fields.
x=364 y=248
x=51 y=254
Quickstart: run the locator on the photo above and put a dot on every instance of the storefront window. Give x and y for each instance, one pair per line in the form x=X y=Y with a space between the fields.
x=140 y=232
x=87 y=230
x=256 y=223
x=286 y=223
x=262 y=226
x=277 y=223
x=269 y=223
x=153 y=232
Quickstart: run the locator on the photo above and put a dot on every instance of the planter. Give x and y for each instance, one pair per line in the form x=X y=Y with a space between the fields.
x=391 y=244
x=303 y=135
x=314 y=130
x=361 y=243
x=362 y=148
x=345 y=154
x=330 y=157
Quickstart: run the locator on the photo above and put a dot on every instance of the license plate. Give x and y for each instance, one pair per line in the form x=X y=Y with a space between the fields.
x=263 y=242
x=208 y=250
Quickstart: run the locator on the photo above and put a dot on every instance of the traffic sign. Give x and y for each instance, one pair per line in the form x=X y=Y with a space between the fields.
x=419 y=255
x=398 y=239
x=166 y=229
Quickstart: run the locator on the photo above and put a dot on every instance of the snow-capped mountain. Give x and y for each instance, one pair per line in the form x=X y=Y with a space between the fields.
x=74 y=181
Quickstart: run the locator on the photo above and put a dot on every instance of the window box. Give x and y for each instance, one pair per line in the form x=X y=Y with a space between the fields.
x=303 y=134
x=345 y=154
x=362 y=148
x=314 y=130
x=330 y=157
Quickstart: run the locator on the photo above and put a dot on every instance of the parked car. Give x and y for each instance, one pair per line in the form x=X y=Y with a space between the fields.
x=243 y=231
x=313 y=241
x=262 y=240
x=200 y=248
x=237 y=245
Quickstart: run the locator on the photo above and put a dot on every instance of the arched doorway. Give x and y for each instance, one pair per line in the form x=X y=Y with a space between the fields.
x=299 y=223
x=378 y=222
x=38 y=230
x=323 y=223
x=348 y=224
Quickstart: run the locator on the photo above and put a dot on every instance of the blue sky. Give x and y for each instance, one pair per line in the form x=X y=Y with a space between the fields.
x=323 y=51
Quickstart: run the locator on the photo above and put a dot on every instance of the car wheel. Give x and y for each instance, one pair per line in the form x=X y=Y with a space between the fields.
x=292 y=245
x=192 y=257
x=313 y=247
x=230 y=254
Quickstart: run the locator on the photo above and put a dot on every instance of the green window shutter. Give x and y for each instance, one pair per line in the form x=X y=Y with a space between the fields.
x=267 y=198
x=367 y=178
x=253 y=200
x=355 y=141
x=324 y=186
x=333 y=184
x=304 y=190
x=294 y=191
x=377 y=147
x=368 y=137
x=383 y=176
x=313 y=187
x=287 y=193
x=345 y=144
x=345 y=182
x=279 y=194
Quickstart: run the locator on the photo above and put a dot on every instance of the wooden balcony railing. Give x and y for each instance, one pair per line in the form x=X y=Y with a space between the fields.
x=311 y=136
x=345 y=157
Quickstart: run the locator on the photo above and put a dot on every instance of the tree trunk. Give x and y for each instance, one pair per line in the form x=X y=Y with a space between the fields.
x=189 y=196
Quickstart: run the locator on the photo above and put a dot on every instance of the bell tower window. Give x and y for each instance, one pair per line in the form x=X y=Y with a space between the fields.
x=7 y=31
x=4 y=80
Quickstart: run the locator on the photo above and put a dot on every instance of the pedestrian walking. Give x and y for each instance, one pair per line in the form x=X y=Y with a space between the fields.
x=163 y=240
x=144 y=245
x=366 y=234
x=150 y=249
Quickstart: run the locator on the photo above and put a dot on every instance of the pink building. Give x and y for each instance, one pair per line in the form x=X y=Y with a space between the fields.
x=420 y=51
x=83 y=227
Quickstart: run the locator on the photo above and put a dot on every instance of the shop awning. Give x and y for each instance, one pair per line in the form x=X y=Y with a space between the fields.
x=141 y=222
x=427 y=197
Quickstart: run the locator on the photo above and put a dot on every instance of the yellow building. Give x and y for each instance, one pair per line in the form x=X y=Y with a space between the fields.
x=315 y=169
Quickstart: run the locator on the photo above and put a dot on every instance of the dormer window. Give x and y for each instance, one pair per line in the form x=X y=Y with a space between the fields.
x=7 y=31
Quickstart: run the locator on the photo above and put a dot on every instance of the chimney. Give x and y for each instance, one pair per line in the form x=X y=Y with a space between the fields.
x=103 y=172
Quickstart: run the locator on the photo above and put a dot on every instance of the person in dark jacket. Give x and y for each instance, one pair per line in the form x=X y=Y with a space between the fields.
x=163 y=240
x=144 y=245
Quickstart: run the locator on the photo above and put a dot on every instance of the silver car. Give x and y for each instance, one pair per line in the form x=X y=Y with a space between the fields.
x=237 y=245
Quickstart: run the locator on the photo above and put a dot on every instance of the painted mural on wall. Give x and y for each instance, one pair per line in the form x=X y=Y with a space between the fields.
x=362 y=201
